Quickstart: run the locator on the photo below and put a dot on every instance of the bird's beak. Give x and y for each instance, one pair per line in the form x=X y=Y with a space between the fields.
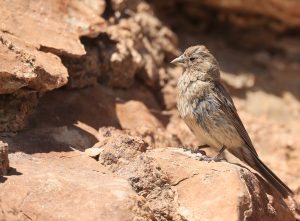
x=179 y=60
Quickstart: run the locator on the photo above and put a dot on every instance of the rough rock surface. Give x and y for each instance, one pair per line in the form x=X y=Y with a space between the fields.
x=65 y=191
x=15 y=108
x=131 y=182
x=107 y=147
x=132 y=43
x=144 y=124
x=135 y=43
x=24 y=66
x=32 y=34
x=4 y=162
x=199 y=190
x=176 y=192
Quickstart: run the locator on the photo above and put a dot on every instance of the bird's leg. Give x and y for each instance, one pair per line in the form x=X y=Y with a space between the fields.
x=216 y=158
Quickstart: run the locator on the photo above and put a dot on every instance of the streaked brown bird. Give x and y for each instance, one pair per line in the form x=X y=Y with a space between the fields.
x=209 y=111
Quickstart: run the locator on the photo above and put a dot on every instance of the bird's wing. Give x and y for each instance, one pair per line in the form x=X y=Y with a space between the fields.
x=227 y=106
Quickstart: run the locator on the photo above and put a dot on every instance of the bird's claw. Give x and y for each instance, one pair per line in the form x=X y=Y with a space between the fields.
x=208 y=159
x=194 y=151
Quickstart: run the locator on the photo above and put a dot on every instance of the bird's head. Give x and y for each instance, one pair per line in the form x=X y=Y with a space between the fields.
x=198 y=58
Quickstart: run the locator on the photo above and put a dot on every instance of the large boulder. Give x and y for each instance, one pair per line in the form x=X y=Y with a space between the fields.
x=43 y=187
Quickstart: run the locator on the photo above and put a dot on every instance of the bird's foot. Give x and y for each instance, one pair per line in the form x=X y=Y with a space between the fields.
x=197 y=150
x=216 y=158
x=208 y=159
x=190 y=149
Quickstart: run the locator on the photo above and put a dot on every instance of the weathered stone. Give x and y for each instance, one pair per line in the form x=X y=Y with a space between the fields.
x=76 y=188
x=93 y=151
x=34 y=21
x=15 y=109
x=4 y=162
x=21 y=65
x=144 y=124
x=220 y=191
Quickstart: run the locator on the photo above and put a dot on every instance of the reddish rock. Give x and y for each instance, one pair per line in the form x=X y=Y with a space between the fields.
x=139 y=45
x=220 y=191
x=177 y=192
x=133 y=179
x=275 y=14
x=125 y=156
x=32 y=34
x=135 y=117
x=77 y=188
x=23 y=66
x=136 y=183
x=283 y=11
x=177 y=127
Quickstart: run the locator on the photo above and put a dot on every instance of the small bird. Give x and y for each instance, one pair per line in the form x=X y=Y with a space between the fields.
x=208 y=110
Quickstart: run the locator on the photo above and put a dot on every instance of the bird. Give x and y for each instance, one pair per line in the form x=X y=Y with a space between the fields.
x=207 y=108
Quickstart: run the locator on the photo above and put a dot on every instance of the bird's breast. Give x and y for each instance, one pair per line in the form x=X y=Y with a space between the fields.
x=189 y=88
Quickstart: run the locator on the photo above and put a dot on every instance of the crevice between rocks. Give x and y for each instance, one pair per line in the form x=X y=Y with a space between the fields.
x=184 y=179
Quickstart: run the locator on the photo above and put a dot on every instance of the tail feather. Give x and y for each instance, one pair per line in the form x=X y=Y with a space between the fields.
x=270 y=176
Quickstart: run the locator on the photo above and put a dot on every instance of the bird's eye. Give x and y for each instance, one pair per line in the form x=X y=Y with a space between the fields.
x=192 y=58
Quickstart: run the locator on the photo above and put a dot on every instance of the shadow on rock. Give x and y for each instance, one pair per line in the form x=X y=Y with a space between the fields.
x=66 y=120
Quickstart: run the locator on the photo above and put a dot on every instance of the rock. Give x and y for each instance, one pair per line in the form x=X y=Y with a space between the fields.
x=135 y=117
x=84 y=16
x=93 y=151
x=75 y=188
x=23 y=66
x=202 y=187
x=15 y=109
x=168 y=81
x=129 y=46
x=37 y=21
x=53 y=126
x=118 y=145
x=4 y=162
x=130 y=119
x=126 y=110
x=177 y=192
x=276 y=14
x=65 y=20
x=135 y=43
x=125 y=156
x=275 y=9
x=177 y=127
x=32 y=36
x=130 y=181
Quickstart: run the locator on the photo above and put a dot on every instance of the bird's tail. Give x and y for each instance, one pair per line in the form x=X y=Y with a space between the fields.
x=260 y=167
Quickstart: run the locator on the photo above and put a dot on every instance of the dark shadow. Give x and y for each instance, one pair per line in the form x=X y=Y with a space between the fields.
x=52 y=126
x=13 y=172
x=2 y=179
x=140 y=92
x=10 y=172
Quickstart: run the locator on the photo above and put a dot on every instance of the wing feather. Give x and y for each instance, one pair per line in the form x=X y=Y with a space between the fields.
x=227 y=106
